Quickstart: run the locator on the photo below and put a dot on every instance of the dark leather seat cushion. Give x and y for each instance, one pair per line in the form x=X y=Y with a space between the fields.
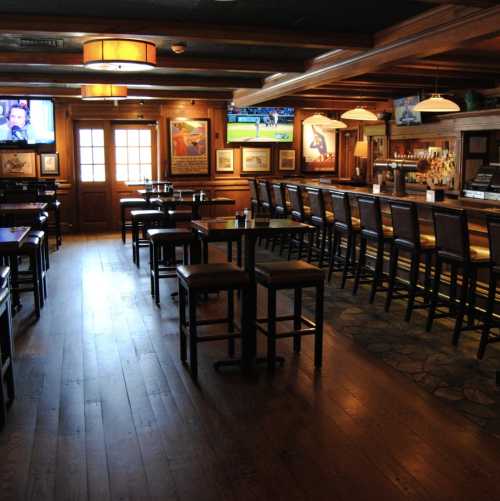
x=147 y=215
x=213 y=276
x=282 y=273
x=133 y=202
x=171 y=235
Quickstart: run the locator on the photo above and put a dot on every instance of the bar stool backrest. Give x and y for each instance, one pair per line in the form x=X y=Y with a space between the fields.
x=264 y=193
x=494 y=239
x=279 y=196
x=317 y=204
x=370 y=216
x=295 y=194
x=254 y=194
x=452 y=233
x=405 y=223
x=341 y=206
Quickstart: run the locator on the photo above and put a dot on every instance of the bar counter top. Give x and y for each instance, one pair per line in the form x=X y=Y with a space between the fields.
x=476 y=207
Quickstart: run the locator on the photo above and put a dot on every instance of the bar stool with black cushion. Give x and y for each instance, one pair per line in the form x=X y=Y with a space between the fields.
x=345 y=225
x=128 y=204
x=166 y=240
x=195 y=280
x=408 y=238
x=295 y=275
x=281 y=210
x=142 y=220
x=299 y=212
x=323 y=221
x=265 y=196
x=372 y=230
x=490 y=322
x=254 y=196
x=453 y=247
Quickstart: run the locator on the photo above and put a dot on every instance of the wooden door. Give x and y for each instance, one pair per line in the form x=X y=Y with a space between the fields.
x=348 y=138
x=93 y=171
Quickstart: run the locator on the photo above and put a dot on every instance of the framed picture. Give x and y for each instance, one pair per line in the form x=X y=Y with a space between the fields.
x=319 y=148
x=49 y=164
x=18 y=163
x=224 y=160
x=286 y=160
x=189 y=140
x=255 y=159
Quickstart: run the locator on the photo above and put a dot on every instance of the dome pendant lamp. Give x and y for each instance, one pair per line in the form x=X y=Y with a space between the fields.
x=359 y=113
x=436 y=104
x=318 y=119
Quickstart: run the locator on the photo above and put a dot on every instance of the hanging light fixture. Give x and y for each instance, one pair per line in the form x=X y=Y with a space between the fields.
x=104 y=92
x=437 y=104
x=359 y=113
x=318 y=119
x=118 y=54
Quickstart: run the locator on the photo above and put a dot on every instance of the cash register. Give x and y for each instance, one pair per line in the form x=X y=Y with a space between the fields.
x=486 y=183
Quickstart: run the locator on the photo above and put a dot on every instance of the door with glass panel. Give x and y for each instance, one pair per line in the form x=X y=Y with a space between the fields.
x=93 y=168
x=133 y=160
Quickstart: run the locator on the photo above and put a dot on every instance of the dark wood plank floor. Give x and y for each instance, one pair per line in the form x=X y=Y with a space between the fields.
x=106 y=411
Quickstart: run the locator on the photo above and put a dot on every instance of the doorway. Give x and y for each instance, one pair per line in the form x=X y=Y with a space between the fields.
x=347 y=143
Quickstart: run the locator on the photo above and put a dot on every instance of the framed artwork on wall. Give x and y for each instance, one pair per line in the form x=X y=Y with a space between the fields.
x=49 y=164
x=255 y=160
x=17 y=163
x=224 y=160
x=286 y=160
x=319 y=148
x=189 y=141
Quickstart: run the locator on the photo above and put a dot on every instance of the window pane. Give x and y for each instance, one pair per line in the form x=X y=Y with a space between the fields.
x=85 y=137
x=121 y=172
x=99 y=173
x=86 y=173
x=86 y=155
x=146 y=171
x=145 y=155
x=121 y=155
x=134 y=172
x=133 y=155
x=120 y=137
x=99 y=155
x=133 y=137
x=97 y=137
x=145 y=137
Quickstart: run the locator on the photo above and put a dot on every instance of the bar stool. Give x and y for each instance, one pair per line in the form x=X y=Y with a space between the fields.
x=265 y=197
x=453 y=247
x=43 y=237
x=407 y=237
x=254 y=196
x=323 y=221
x=129 y=204
x=163 y=238
x=281 y=210
x=143 y=220
x=344 y=225
x=198 y=279
x=372 y=230
x=295 y=275
x=299 y=212
x=493 y=223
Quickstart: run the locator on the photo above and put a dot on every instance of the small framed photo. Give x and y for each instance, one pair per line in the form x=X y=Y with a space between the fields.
x=224 y=160
x=49 y=164
x=255 y=159
x=286 y=160
x=17 y=163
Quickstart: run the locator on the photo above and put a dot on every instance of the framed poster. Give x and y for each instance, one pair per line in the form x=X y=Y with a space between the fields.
x=18 y=163
x=49 y=164
x=255 y=159
x=286 y=160
x=319 y=148
x=224 y=160
x=189 y=140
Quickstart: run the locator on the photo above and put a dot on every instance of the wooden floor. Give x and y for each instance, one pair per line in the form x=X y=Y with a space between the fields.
x=106 y=411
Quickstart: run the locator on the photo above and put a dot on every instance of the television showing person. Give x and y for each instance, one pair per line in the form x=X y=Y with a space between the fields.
x=18 y=126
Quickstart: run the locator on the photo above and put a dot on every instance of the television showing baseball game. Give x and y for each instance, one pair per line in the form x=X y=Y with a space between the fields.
x=26 y=121
x=260 y=125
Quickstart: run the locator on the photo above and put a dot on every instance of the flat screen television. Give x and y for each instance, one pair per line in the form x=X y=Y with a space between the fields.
x=260 y=124
x=403 y=111
x=26 y=121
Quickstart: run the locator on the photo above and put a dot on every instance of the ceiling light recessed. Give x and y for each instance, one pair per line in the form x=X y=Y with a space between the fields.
x=178 y=47
x=117 y=54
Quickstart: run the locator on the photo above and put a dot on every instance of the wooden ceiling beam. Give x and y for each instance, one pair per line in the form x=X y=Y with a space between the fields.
x=164 y=61
x=232 y=34
x=132 y=93
x=329 y=104
x=146 y=79
x=334 y=93
x=428 y=42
